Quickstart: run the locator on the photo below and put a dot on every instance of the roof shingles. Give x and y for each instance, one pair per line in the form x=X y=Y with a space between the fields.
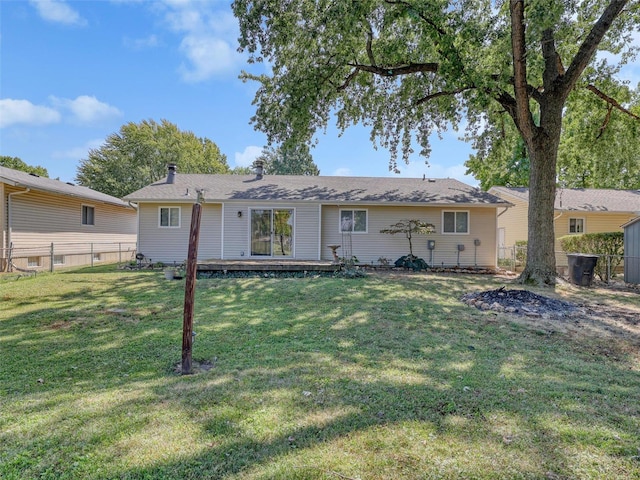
x=35 y=182
x=363 y=190
x=583 y=199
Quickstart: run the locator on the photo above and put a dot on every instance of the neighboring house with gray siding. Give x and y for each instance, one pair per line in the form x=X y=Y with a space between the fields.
x=632 y=251
x=576 y=211
x=299 y=217
x=37 y=212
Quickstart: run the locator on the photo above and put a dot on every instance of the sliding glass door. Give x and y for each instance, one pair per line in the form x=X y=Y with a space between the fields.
x=272 y=232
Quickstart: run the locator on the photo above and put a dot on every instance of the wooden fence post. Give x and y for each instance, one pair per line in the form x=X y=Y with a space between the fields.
x=190 y=286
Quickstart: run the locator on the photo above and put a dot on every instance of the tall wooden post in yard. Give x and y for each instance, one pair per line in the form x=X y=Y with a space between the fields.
x=190 y=285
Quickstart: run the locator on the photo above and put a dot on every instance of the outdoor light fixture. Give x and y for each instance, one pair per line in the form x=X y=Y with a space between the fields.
x=239 y=213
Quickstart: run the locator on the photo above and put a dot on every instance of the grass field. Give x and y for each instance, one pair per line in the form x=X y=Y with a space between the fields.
x=313 y=378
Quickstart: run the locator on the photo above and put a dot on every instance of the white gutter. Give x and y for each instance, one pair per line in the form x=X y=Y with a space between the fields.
x=9 y=216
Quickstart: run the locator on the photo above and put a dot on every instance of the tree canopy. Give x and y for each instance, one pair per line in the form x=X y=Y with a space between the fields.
x=138 y=155
x=408 y=68
x=599 y=146
x=294 y=160
x=17 y=164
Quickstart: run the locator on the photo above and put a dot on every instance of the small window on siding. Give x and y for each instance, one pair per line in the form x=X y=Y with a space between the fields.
x=96 y=257
x=455 y=222
x=170 y=217
x=353 y=221
x=58 y=259
x=88 y=215
x=576 y=225
x=33 y=261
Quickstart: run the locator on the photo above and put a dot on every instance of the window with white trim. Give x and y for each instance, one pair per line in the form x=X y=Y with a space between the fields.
x=58 y=259
x=353 y=221
x=455 y=222
x=169 y=217
x=576 y=225
x=97 y=257
x=88 y=215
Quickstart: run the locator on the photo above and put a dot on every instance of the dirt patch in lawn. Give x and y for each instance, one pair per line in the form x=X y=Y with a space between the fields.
x=578 y=318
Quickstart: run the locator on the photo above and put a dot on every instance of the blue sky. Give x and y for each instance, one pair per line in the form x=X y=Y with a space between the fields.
x=73 y=72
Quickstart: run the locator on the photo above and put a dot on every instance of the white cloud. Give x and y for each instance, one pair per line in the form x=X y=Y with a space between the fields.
x=209 y=37
x=207 y=56
x=14 y=112
x=78 y=153
x=58 y=11
x=86 y=109
x=246 y=158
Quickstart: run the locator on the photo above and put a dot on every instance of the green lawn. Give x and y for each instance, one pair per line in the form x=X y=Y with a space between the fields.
x=313 y=378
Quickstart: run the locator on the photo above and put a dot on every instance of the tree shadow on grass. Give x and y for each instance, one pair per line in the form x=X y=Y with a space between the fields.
x=309 y=377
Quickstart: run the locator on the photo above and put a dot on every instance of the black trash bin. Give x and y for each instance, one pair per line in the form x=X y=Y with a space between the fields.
x=581 y=268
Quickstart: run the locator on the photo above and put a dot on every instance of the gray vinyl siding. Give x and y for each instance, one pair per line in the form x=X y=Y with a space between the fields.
x=632 y=253
x=369 y=247
x=40 y=219
x=168 y=245
x=236 y=229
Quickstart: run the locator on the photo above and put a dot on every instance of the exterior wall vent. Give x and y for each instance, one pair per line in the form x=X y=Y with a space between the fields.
x=259 y=168
x=172 y=172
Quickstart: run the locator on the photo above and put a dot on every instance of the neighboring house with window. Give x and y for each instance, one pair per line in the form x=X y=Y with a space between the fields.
x=299 y=217
x=83 y=225
x=576 y=211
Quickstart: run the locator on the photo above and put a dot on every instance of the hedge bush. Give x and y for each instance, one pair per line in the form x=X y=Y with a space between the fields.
x=608 y=243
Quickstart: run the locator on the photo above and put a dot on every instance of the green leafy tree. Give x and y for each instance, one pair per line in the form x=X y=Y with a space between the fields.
x=608 y=154
x=241 y=171
x=18 y=164
x=295 y=160
x=599 y=145
x=409 y=228
x=501 y=157
x=407 y=68
x=139 y=153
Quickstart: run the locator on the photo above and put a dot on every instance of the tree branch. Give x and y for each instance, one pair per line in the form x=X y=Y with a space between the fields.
x=551 y=60
x=607 y=117
x=397 y=71
x=413 y=10
x=611 y=101
x=522 y=114
x=590 y=44
x=369 y=46
x=443 y=93
x=348 y=80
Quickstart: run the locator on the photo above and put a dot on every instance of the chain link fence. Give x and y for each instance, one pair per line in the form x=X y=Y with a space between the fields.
x=514 y=258
x=61 y=255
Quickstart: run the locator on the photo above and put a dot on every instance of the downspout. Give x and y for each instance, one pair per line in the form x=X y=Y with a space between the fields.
x=135 y=207
x=503 y=211
x=9 y=218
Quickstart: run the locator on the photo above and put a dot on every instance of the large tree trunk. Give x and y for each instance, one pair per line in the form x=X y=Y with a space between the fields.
x=543 y=152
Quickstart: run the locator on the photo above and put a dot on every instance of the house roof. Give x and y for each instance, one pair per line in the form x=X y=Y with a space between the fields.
x=351 y=190
x=17 y=178
x=583 y=199
x=631 y=222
